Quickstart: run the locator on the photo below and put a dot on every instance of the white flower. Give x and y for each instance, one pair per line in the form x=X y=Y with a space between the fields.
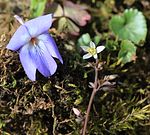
x=92 y=50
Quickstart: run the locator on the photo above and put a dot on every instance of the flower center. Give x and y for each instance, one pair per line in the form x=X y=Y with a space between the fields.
x=34 y=41
x=92 y=51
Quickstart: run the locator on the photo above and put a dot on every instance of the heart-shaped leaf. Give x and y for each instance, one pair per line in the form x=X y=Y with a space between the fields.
x=130 y=26
x=127 y=52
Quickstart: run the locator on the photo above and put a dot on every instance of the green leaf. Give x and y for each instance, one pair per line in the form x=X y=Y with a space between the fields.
x=127 y=51
x=130 y=26
x=111 y=45
x=84 y=39
x=97 y=39
x=37 y=7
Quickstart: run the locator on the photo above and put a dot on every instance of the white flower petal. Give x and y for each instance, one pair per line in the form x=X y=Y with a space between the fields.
x=76 y=111
x=84 y=48
x=100 y=49
x=95 y=56
x=92 y=44
x=86 y=56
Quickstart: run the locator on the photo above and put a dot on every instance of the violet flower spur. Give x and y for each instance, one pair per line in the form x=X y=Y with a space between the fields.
x=35 y=46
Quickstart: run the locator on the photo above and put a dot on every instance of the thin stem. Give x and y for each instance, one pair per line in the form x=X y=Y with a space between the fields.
x=91 y=98
x=96 y=74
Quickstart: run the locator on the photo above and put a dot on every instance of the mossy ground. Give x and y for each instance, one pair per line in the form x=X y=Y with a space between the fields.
x=45 y=106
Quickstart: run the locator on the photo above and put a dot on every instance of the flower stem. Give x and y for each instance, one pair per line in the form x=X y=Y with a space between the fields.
x=95 y=88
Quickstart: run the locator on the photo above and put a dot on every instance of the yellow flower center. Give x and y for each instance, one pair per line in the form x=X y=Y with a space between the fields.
x=92 y=51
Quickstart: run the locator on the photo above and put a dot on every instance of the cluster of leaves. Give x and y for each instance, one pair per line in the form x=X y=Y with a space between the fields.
x=130 y=28
x=45 y=106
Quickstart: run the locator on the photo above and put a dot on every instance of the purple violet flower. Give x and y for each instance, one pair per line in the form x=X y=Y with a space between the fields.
x=35 y=46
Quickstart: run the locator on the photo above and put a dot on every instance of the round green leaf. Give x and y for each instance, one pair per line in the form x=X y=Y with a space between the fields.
x=130 y=26
x=127 y=51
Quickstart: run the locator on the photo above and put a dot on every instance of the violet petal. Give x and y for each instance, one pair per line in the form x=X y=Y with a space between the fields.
x=50 y=45
x=27 y=62
x=39 y=25
x=20 y=38
x=43 y=59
